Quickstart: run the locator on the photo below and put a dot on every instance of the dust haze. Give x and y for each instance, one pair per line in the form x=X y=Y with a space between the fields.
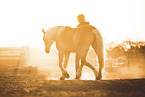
x=48 y=65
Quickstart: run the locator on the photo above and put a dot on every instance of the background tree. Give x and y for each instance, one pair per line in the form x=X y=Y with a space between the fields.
x=130 y=49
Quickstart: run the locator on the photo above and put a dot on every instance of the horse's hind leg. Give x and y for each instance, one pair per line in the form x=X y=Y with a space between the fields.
x=98 y=48
x=84 y=62
x=92 y=67
x=83 y=55
x=65 y=65
x=64 y=72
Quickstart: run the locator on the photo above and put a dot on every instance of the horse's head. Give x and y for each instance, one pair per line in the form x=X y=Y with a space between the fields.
x=48 y=40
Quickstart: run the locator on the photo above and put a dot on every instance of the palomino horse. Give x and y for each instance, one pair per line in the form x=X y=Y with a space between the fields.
x=75 y=40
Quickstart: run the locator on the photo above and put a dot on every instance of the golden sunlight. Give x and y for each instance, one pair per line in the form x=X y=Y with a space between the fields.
x=97 y=46
x=114 y=22
x=21 y=26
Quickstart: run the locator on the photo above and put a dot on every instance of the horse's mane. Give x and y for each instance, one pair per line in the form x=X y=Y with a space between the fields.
x=52 y=30
x=56 y=30
x=59 y=27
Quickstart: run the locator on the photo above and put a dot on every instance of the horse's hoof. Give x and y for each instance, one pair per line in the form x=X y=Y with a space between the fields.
x=67 y=75
x=98 y=77
x=62 y=78
x=77 y=78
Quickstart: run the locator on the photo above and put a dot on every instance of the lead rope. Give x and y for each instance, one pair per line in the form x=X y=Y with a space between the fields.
x=55 y=51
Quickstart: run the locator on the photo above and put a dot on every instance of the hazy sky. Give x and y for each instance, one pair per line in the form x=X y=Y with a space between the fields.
x=22 y=21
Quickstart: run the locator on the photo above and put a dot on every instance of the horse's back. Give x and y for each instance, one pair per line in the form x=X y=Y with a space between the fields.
x=66 y=38
x=86 y=28
x=73 y=39
x=86 y=34
x=67 y=33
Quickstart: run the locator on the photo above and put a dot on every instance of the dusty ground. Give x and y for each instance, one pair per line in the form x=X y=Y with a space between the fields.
x=35 y=85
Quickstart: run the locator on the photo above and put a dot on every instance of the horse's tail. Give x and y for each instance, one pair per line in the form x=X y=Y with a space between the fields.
x=98 y=47
x=43 y=31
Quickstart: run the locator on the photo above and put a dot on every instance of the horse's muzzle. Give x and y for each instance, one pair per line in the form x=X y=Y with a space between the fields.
x=47 y=51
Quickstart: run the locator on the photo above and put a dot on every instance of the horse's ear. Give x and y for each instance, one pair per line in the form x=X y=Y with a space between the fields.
x=43 y=31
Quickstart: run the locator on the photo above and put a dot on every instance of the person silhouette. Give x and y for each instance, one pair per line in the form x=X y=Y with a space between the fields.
x=81 y=20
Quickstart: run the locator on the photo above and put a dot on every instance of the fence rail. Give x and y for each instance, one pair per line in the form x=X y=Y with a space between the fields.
x=13 y=57
x=125 y=63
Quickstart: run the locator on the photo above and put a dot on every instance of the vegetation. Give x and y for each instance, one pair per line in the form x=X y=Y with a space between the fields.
x=129 y=49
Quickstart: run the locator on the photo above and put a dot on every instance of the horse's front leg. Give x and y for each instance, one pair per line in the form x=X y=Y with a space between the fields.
x=65 y=65
x=79 y=70
x=77 y=63
x=64 y=72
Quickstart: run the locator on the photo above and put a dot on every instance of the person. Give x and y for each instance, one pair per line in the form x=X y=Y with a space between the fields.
x=81 y=20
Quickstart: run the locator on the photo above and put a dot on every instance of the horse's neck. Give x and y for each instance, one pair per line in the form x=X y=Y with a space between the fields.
x=57 y=32
x=54 y=32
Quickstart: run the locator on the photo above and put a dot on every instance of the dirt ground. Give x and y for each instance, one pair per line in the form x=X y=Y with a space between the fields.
x=36 y=85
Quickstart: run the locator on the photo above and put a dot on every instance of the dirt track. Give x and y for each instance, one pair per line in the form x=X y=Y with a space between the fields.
x=30 y=85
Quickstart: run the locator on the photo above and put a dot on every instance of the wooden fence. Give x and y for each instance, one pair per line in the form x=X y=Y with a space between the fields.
x=126 y=64
x=13 y=57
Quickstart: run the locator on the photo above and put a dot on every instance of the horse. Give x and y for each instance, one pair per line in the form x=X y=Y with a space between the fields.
x=75 y=40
